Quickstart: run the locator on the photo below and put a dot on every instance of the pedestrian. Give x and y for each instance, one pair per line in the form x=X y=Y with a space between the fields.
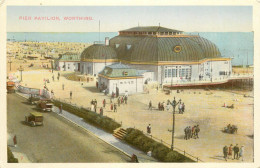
x=197 y=130
x=125 y=99
x=60 y=108
x=53 y=78
x=58 y=78
x=189 y=133
x=122 y=100
x=115 y=108
x=159 y=106
x=163 y=106
x=104 y=103
x=230 y=150
x=183 y=107
x=149 y=129
x=63 y=86
x=15 y=140
x=95 y=107
x=236 y=151
x=225 y=152
x=241 y=152
x=168 y=106
x=186 y=133
x=193 y=132
x=180 y=108
x=150 y=105
x=92 y=107
x=70 y=94
x=101 y=111
x=118 y=101
x=97 y=84
x=111 y=106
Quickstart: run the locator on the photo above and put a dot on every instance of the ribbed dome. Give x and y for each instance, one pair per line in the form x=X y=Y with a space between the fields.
x=157 y=49
x=98 y=51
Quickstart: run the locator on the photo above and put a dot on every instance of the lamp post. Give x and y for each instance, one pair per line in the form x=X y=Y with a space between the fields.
x=10 y=62
x=21 y=70
x=174 y=104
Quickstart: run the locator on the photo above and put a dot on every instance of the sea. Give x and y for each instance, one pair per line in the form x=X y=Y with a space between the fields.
x=236 y=45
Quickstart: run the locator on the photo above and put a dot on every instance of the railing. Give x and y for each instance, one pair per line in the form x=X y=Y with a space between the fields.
x=175 y=148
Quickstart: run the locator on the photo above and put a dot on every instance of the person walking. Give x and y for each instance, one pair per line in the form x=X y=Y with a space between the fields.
x=53 y=78
x=111 y=107
x=225 y=152
x=150 y=105
x=95 y=107
x=183 y=107
x=104 y=103
x=236 y=151
x=197 y=130
x=230 y=150
x=189 y=132
x=180 y=108
x=115 y=108
x=60 y=108
x=15 y=140
x=186 y=133
x=241 y=152
x=149 y=129
x=193 y=132
x=101 y=111
x=63 y=86
x=159 y=106
x=58 y=78
x=70 y=94
x=118 y=101
x=125 y=99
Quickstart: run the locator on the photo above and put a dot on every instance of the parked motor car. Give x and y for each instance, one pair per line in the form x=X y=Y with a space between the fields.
x=34 y=119
x=10 y=86
x=45 y=104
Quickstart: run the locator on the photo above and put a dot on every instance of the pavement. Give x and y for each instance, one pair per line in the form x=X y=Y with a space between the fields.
x=106 y=137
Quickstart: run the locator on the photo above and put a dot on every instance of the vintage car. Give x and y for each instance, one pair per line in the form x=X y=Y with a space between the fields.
x=230 y=129
x=10 y=87
x=34 y=119
x=33 y=99
x=45 y=104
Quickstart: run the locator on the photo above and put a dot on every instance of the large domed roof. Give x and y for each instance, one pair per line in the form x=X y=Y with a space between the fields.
x=98 y=51
x=151 y=49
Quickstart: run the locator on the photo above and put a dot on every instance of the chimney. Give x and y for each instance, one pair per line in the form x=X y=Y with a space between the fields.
x=107 y=41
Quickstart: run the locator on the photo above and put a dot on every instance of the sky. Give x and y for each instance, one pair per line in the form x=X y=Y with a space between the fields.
x=113 y=19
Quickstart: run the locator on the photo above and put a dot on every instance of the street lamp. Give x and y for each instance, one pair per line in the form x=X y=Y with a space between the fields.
x=21 y=70
x=10 y=62
x=174 y=104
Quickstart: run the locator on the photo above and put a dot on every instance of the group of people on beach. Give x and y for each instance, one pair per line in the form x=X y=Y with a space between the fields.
x=238 y=152
x=162 y=106
x=191 y=132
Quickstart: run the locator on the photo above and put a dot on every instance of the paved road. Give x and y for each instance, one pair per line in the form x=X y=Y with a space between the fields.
x=58 y=140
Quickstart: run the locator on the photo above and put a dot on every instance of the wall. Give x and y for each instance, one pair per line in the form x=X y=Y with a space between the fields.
x=129 y=85
x=69 y=66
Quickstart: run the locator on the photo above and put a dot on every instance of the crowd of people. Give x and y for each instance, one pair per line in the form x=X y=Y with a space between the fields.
x=191 y=132
x=162 y=106
x=233 y=152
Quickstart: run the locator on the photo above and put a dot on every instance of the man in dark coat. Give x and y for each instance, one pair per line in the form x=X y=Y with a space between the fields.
x=236 y=151
x=225 y=152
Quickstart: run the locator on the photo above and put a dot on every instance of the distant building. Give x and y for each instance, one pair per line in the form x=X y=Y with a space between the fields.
x=69 y=62
x=122 y=78
x=173 y=56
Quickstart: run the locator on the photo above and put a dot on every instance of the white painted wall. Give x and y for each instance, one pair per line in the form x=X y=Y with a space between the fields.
x=93 y=68
x=68 y=66
x=129 y=85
